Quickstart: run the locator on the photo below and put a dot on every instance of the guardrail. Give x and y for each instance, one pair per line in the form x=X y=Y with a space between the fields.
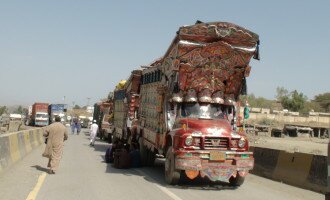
x=14 y=146
x=302 y=170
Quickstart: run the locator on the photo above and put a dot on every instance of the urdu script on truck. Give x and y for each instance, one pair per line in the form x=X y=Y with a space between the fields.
x=185 y=105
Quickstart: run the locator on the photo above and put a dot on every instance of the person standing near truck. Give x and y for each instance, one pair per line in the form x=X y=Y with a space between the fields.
x=56 y=134
x=93 y=132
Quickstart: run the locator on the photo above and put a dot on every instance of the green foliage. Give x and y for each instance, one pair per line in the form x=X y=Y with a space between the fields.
x=323 y=100
x=76 y=107
x=3 y=109
x=257 y=102
x=281 y=92
x=19 y=110
x=311 y=105
x=294 y=101
x=25 y=111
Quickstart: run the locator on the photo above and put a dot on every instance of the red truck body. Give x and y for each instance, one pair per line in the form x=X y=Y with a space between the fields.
x=39 y=115
x=187 y=104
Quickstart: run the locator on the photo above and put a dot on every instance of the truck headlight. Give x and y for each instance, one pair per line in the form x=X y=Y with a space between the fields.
x=189 y=141
x=241 y=143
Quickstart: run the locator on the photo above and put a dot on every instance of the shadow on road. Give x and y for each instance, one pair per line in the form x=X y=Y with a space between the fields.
x=39 y=168
x=155 y=175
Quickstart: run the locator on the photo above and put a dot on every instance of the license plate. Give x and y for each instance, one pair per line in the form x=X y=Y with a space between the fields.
x=244 y=163
x=217 y=155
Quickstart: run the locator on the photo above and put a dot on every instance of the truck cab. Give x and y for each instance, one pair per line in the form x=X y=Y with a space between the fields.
x=41 y=119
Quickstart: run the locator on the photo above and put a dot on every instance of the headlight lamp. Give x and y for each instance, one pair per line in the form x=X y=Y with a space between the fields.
x=241 y=143
x=189 y=141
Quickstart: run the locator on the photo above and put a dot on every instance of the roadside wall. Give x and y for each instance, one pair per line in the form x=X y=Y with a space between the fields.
x=302 y=170
x=290 y=119
x=14 y=146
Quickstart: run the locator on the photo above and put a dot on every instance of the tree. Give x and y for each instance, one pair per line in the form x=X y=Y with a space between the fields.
x=281 y=93
x=25 y=111
x=311 y=106
x=3 y=110
x=294 y=102
x=324 y=101
x=76 y=107
x=257 y=102
x=19 y=110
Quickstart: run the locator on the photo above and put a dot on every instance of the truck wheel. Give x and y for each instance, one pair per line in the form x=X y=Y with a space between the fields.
x=151 y=158
x=109 y=138
x=172 y=175
x=143 y=152
x=237 y=181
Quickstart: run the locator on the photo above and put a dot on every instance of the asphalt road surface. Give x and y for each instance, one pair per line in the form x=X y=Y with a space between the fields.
x=83 y=175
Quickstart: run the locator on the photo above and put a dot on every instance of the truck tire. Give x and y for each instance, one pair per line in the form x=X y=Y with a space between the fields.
x=110 y=138
x=172 y=175
x=151 y=156
x=237 y=181
x=143 y=152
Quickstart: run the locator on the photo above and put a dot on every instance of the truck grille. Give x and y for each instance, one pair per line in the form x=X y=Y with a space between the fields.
x=215 y=143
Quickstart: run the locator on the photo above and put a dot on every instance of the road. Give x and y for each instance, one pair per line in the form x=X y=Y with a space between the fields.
x=84 y=175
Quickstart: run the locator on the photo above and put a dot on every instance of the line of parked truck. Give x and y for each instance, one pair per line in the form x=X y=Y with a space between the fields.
x=185 y=105
x=43 y=114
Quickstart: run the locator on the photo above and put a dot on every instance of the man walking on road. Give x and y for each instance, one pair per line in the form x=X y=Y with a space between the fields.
x=56 y=134
x=93 y=131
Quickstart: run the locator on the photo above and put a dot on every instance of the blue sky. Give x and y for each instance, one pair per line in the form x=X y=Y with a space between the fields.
x=81 y=49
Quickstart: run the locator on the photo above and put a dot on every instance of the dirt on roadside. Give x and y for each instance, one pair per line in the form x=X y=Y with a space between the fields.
x=314 y=146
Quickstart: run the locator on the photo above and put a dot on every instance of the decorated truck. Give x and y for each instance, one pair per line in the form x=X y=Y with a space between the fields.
x=188 y=103
x=188 y=100
x=102 y=113
x=126 y=98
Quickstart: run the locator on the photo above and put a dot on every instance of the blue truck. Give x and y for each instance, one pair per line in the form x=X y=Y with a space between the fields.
x=56 y=110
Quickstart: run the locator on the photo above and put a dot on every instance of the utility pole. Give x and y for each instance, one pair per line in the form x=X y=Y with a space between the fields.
x=88 y=99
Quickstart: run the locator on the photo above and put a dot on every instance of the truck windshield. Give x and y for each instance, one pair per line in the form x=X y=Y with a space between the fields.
x=41 y=115
x=205 y=111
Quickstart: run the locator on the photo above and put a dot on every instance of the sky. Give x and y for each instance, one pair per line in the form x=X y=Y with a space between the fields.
x=81 y=49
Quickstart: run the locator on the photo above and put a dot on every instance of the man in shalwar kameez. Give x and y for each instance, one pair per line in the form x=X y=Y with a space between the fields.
x=55 y=133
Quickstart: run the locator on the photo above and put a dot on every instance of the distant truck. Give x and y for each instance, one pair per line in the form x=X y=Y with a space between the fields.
x=102 y=115
x=39 y=115
x=56 y=110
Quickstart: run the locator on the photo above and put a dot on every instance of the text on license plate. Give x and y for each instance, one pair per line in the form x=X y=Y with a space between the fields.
x=217 y=155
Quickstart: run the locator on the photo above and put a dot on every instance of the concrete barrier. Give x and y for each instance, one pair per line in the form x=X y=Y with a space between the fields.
x=14 y=146
x=265 y=161
x=303 y=170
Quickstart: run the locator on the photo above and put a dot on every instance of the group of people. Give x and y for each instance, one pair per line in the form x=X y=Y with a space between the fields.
x=123 y=155
x=75 y=125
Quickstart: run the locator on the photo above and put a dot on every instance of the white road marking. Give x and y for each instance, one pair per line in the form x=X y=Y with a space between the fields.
x=162 y=188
